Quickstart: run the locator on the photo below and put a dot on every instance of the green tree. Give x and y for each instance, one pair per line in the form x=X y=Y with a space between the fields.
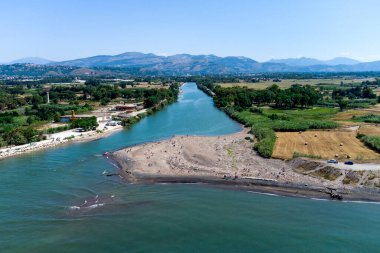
x=37 y=100
x=15 y=137
x=342 y=104
x=57 y=117
x=29 y=120
x=368 y=92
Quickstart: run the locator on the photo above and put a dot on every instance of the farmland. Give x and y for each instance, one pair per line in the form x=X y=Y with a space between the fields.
x=317 y=118
x=324 y=144
x=286 y=83
x=372 y=130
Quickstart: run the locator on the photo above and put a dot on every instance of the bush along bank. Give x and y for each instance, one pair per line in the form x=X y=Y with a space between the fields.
x=372 y=142
x=158 y=106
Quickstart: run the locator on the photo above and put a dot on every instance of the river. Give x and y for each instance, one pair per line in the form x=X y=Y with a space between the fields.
x=40 y=194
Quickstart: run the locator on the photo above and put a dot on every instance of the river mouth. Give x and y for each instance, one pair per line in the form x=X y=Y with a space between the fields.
x=38 y=189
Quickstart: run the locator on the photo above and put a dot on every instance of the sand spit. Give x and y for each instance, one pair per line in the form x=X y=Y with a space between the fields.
x=227 y=161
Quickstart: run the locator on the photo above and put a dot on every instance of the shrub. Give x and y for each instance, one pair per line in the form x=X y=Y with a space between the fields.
x=275 y=116
x=57 y=129
x=289 y=126
x=369 y=118
x=321 y=124
x=266 y=139
x=86 y=124
x=372 y=142
x=298 y=154
x=256 y=109
x=69 y=137
x=130 y=121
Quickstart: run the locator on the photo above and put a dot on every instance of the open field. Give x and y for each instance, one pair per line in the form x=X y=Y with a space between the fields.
x=377 y=91
x=315 y=113
x=286 y=83
x=373 y=109
x=373 y=130
x=325 y=144
x=347 y=115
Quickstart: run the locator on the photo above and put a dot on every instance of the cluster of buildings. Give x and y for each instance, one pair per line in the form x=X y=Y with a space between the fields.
x=129 y=110
x=121 y=111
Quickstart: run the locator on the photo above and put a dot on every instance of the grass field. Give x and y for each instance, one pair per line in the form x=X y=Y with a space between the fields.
x=325 y=144
x=316 y=113
x=286 y=83
x=347 y=115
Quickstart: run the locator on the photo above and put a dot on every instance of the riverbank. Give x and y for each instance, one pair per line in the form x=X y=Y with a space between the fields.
x=229 y=161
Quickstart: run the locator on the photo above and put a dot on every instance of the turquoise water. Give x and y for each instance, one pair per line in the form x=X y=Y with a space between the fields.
x=39 y=193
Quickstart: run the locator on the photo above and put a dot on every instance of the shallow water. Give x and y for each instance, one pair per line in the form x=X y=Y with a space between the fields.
x=58 y=200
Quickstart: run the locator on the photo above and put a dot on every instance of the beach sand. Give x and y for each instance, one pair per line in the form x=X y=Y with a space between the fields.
x=227 y=161
x=53 y=142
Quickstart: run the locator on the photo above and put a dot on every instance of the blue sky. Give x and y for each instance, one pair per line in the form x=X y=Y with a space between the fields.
x=259 y=29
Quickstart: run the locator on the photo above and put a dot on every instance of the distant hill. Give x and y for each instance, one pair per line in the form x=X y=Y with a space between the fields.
x=183 y=64
x=175 y=64
x=34 y=60
x=305 y=62
x=341 y=61
x=210 y=64
x=297 y=62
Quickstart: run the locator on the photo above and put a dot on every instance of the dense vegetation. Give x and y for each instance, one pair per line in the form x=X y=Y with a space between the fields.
x=86 y=124
x=242 y=98
x=372 y=142
x=369 y=118
x=355 y=92
x=273 y=109
x=24 y=107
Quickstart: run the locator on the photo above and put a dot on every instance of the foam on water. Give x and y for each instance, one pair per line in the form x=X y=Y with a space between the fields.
x=265 y=193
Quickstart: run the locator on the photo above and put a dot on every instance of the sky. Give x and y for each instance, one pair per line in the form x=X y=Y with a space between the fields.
x=259 y=29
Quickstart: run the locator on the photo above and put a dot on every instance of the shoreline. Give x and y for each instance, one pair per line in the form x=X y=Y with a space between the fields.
x=260 y=187
x=50 y=143
x=164 y=162
x=8 y=152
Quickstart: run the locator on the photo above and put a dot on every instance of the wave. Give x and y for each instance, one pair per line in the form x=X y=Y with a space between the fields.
x=78 y=208
x=319 y=199
x=265 y=193
x=361 y=202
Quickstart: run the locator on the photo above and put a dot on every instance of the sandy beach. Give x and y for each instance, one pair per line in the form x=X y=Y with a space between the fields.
x=57 y=139
x=230 y=161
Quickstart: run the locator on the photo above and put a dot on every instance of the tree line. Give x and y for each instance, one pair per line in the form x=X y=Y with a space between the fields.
x=353 y=93
x=241 y=98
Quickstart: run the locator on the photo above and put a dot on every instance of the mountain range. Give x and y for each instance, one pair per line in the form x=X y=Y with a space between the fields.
x=304 y=62
x=181 y=64
x=34 y=60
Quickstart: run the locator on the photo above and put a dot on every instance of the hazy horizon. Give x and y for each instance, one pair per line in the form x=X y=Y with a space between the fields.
x=261 y=30
x=166 y=55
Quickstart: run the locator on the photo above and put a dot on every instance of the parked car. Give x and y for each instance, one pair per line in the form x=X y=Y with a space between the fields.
x=332 y=161
x=349 y=162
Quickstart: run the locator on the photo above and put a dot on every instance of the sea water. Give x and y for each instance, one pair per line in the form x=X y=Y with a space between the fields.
x=60 y=200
